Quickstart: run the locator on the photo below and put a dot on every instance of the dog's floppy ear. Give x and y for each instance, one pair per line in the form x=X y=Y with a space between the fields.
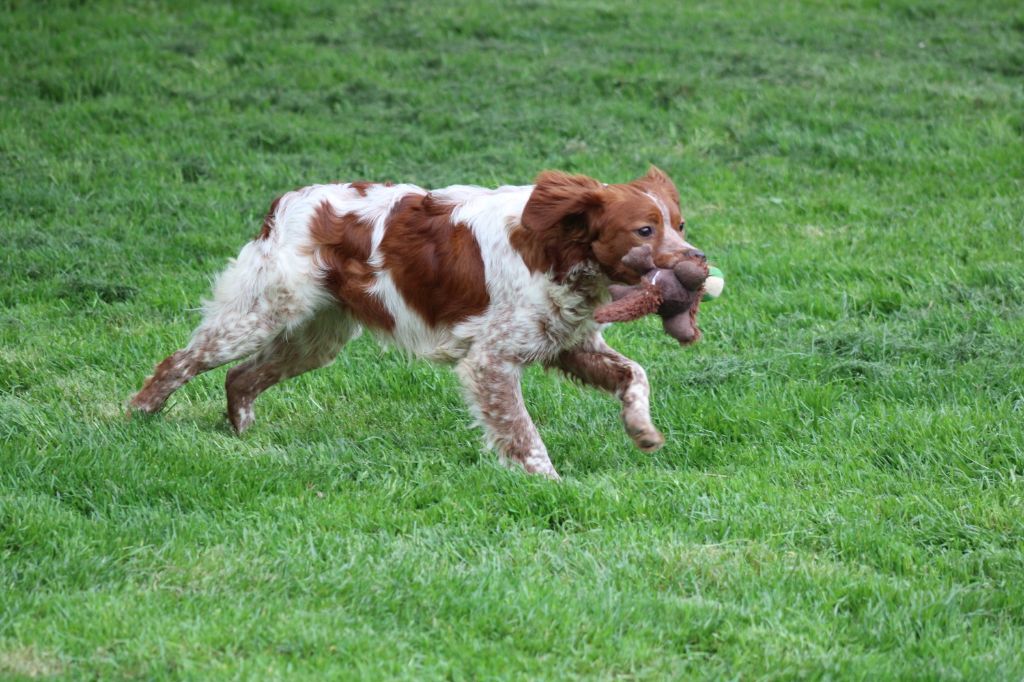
x=560 y=200
x=657 y=180
x=655 y=174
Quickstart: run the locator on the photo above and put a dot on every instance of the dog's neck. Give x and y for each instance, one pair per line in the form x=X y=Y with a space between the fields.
x=573 y=300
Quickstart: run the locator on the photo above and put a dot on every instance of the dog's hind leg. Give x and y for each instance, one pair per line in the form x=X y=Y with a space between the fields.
x=315 y=344
x=254 y=301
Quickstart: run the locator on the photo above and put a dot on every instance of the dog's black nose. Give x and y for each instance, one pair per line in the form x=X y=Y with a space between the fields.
x=694 y=253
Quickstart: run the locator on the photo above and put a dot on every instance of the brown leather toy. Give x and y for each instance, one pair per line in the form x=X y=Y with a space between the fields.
x=672 y=293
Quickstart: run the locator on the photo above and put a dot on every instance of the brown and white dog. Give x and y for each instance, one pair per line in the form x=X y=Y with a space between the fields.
x=489 y=280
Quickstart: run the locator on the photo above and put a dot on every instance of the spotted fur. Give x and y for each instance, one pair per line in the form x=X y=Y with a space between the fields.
x=488 y=280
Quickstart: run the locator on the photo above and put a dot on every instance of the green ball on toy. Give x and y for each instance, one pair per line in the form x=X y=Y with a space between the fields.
x=714 y=284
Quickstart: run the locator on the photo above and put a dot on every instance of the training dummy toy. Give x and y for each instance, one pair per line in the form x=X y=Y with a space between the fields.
x=675 y=294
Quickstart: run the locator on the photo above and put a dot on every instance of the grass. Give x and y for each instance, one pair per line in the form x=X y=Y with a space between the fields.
x=841 y=495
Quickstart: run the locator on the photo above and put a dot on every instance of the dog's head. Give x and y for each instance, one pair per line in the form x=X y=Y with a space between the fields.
x=573 y=217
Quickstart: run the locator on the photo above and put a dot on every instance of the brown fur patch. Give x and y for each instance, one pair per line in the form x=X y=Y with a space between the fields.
x=554 y=234
x=363 y=186
x=344 y=244
x=435 y=264
x=607 y=371
x=268 y=220
x=661 y=185
x=624 y=210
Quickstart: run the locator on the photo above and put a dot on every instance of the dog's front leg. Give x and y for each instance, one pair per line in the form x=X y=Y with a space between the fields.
x=495 y=395
x=597 y=364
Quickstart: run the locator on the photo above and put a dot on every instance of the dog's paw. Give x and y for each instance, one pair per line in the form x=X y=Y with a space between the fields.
x=652 y=441
x=241 y=417
x=646 y=437
x=142 y=404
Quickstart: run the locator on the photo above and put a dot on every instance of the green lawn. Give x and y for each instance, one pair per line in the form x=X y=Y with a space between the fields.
x=842 y=493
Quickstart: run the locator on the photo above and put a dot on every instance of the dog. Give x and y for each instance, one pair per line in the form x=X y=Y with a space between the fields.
x=487 y=280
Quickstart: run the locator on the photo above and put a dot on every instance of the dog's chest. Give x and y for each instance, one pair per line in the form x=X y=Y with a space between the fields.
x=543 y=319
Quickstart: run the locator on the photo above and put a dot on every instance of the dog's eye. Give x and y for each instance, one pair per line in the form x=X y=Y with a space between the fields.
x=645 y=231
x=682 y=227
